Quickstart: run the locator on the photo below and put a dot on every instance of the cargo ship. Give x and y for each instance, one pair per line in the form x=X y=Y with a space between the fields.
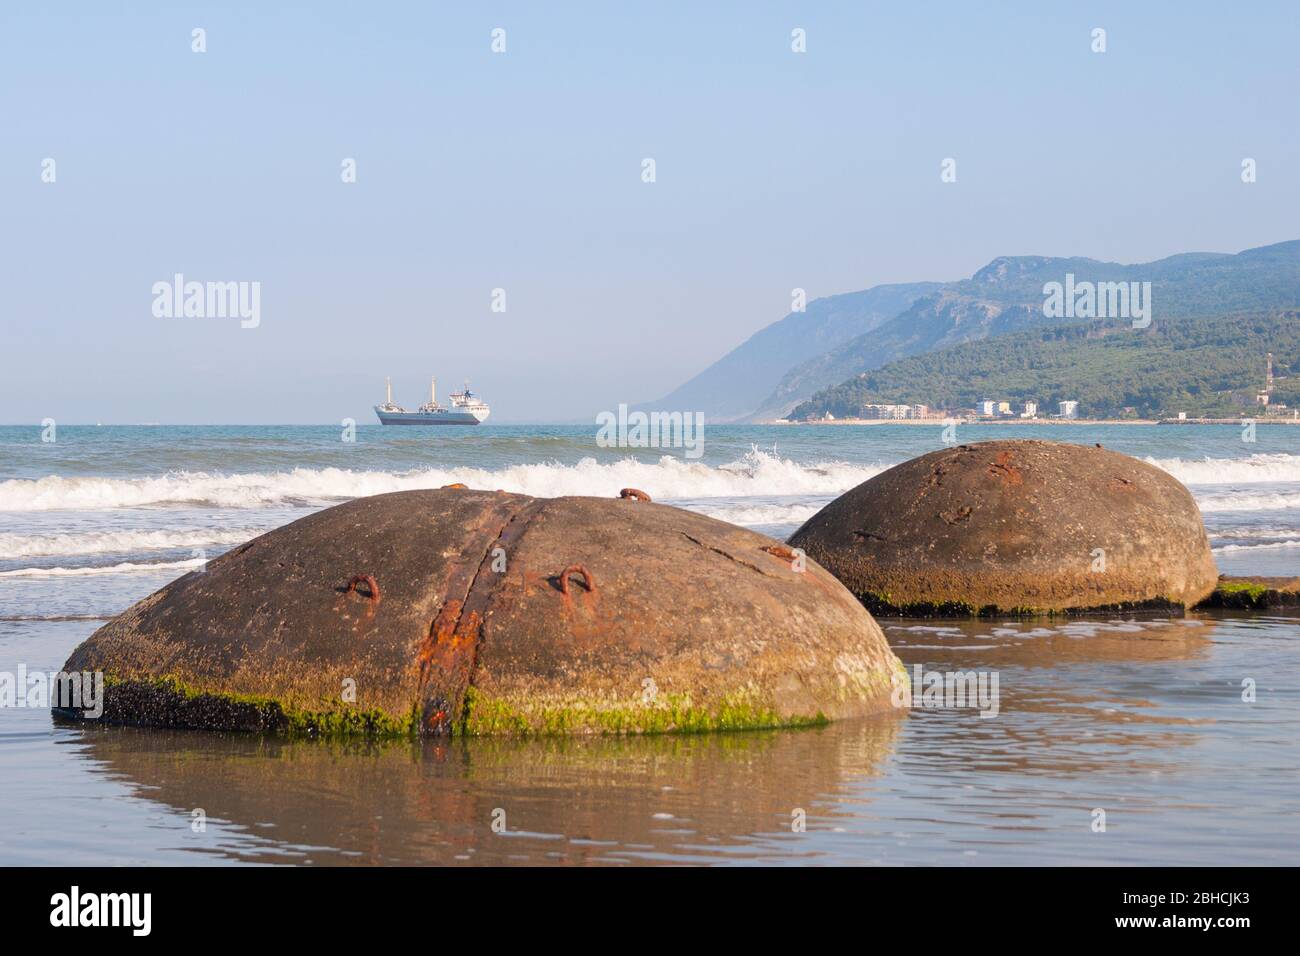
x=465 y=409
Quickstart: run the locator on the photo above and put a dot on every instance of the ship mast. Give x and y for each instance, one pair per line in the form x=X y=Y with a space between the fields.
x=433 y=391
x=389 y=382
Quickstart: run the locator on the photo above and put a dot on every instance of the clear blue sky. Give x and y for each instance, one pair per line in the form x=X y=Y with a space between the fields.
x=522 y=171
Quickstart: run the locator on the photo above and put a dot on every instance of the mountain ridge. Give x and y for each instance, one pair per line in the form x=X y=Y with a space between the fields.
x=732 y=387
x=1006 y=296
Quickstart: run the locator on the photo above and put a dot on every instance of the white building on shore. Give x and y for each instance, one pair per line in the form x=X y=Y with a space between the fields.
x=990 y=408
x=895 y=411
x=1069 y=409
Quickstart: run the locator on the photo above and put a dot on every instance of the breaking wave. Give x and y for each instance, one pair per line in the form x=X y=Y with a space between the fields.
x=747 y=515
x=758 y=473
x=1256 y=469
x=111 y=542
x=1270 y=546
x=1239 y=501
x=126 y=567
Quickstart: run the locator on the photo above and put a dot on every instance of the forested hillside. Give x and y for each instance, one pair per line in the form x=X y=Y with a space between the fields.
x=1204 y=366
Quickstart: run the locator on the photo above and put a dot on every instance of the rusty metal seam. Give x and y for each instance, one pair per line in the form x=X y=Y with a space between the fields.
x=523 y=516
x=470 y=611
x=442 y=634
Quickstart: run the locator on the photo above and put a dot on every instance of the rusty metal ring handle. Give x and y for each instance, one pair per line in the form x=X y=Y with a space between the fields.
x=369 y=581
x=588 y=581
x=634 y=493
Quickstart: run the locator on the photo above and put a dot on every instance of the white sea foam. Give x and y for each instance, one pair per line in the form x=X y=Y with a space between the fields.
x=757 y=513
x=1270 y=546
x=1241 y=501
x=1263 y=534
x=1253 y=469
x=756 y=474
x=113 y=542
x=126 y=567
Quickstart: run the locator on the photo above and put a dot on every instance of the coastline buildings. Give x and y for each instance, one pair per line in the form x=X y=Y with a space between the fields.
x=895 y=411
x=990 y=408
x=987 y=408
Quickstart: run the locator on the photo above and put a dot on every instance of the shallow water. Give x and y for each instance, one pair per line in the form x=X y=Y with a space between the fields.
x=1143 y=719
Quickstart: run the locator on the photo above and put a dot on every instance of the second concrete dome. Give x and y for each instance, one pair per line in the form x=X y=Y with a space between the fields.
x=1015 y=527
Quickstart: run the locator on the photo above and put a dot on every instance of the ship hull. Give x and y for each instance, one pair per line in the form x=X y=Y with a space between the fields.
x=427 y=418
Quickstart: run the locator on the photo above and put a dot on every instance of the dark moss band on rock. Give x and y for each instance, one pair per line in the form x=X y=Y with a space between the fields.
x=166 y=702
x=457 y=611
x=1020 y=528
x=1255 y=594
x=881 y=606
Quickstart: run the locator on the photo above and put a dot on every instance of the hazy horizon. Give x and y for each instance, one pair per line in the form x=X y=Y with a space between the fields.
x=522 y=171
x=412 y=393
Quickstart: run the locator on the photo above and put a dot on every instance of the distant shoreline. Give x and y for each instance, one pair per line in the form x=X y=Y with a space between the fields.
x=1038 y=421
x=971 y=421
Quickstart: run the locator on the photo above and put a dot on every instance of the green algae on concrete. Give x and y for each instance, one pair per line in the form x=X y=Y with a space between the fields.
x=1255 y=593
x=881 y=606
x=673 y=713
x=490 y=613
x=168 y=702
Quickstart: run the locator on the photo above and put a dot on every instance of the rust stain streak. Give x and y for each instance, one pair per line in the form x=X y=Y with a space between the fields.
x=448 y=656
x=1003 y=468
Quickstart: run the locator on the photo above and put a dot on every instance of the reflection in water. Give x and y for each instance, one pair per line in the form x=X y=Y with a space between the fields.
x=565 y=801
x=1058 y=724
x=1143 y=718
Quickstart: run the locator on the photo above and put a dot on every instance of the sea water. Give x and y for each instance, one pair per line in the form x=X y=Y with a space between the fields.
x=1181 y=731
